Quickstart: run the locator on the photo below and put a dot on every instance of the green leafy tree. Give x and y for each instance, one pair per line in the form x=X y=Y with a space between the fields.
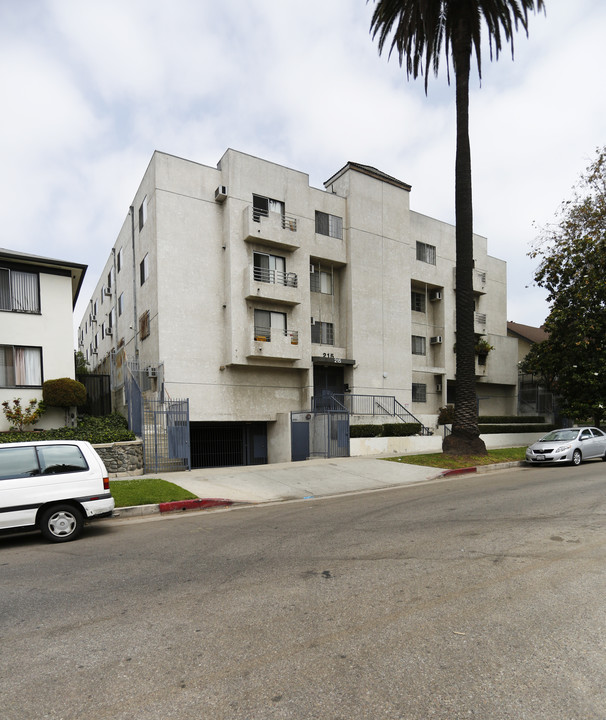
x=572 y=253
x=81 y=366
x=418 y=30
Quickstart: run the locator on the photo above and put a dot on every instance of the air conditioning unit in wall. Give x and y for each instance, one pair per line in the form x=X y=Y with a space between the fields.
x=438 y=387
x=435 y=295
x=93 y=318
x=109 y=331
x=436 y=340
x=108 y=292
x=152 y=371
x=221 y=194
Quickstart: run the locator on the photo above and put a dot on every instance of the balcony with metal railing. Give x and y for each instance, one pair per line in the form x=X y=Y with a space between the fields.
x=273 y=285
x=275 y=344
x=271 y=228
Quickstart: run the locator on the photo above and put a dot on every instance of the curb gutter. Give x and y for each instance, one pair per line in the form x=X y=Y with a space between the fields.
x=171 y=507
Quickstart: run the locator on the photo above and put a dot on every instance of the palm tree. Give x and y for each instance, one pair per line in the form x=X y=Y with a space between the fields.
x=417 y=30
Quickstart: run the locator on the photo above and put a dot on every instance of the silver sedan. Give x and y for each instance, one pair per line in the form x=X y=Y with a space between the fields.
x=571 y=445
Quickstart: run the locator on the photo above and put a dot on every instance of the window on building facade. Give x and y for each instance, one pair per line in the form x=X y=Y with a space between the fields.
x=323 y=333
x=320 y=281
x=419 y=344
x=426 y=253
x=119 y=260
x=419 y=392
x=19 y=291
x=20 y=366
x=417 y=301
x=263 y=206
x=143 y=213
x=268 y=323
x=144 y=269
x=120 y=304
x=330 y=225
x=144 y=330
x=272 y=269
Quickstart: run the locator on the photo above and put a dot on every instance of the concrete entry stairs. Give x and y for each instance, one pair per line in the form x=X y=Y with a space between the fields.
x=373 y=405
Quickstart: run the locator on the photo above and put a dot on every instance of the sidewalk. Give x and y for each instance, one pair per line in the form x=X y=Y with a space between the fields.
x=254 y=484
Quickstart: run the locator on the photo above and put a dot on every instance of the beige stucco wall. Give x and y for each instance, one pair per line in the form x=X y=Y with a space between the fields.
x=201 y=295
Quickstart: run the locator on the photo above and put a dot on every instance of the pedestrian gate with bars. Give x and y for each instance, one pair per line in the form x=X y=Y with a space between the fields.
x=319 y=434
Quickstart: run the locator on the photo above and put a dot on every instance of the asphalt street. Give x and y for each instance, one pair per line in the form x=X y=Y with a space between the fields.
x=476 y=596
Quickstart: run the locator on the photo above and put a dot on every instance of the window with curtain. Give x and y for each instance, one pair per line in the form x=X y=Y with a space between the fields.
x=20 y=366
x=19 y=291
x=331 y=225
x=419 y=344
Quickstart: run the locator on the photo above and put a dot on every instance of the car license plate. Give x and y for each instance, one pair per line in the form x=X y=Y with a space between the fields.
x=539 y=457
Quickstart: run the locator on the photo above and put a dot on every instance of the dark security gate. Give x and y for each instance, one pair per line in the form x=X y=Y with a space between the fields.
x=98 y=395
x=228 y=444
x=319 y=434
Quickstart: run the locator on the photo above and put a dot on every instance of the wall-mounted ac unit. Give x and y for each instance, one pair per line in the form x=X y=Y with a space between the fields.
x=438 y=387
x=109 y=331
x=152 y=371
x=436 y=340
x=435 y=295
x=108 y=292
x=312 y=268
x=313 y=321
x=93 y=318
x=221 y=194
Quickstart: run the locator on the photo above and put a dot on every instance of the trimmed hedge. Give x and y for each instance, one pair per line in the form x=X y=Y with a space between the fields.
x=63 y=392
x=515 y=428
x=387 y=430
x=97 y=430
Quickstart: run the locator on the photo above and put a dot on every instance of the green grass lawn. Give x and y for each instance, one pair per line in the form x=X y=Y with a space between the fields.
x=147 y=491
x=454 y=462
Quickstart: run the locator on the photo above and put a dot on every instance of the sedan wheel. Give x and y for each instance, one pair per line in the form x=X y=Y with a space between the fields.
x=576 y=457
x=61 y=523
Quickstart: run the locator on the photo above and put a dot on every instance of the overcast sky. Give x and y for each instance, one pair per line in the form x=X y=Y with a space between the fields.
x=90 y=88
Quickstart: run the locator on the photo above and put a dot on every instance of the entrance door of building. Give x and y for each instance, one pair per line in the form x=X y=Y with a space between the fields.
x=328 y=380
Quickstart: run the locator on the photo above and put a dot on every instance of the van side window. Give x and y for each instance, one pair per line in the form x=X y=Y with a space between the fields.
x=18 y=462
x=61 y=459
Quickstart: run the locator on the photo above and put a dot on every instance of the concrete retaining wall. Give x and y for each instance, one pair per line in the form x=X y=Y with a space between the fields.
x=431 y=443
x=122 y=458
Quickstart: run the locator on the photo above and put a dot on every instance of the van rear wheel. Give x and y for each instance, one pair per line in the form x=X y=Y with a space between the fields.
x=61 y=523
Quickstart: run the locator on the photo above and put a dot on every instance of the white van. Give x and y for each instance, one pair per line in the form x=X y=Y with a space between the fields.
x=54 y=486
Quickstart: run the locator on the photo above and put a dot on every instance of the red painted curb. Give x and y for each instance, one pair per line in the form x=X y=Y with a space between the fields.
x=196 y=504
x=459 y=471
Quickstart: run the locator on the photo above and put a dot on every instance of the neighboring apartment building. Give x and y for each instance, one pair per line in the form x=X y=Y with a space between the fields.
x=37 y=297
x=533 y=397
x=252 y=292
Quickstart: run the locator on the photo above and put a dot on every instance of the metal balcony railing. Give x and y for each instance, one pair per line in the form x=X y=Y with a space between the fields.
x=276 y=277
x=287 y=221
x=264 y=334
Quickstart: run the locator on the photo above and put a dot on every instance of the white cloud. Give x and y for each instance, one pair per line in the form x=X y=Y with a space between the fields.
x=92 y=87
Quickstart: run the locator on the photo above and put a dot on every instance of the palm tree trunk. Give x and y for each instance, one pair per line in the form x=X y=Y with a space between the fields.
x=465 y=438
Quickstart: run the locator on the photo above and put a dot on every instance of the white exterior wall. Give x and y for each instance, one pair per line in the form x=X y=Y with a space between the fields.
x=201 y=294
x=51 y=330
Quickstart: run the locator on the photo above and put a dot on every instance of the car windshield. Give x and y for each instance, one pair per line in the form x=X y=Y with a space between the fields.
x=557 y=435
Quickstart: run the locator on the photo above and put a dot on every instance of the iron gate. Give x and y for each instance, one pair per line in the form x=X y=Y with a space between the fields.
x=319 y=434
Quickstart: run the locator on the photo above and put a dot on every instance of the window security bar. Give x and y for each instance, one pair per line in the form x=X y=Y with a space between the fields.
x=276 y=277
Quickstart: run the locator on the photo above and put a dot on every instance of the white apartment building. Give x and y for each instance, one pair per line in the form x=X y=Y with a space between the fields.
x=251 y=293
x=37 y=297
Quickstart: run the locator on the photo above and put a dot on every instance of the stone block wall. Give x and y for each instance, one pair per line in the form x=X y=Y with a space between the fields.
x=122 y=458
